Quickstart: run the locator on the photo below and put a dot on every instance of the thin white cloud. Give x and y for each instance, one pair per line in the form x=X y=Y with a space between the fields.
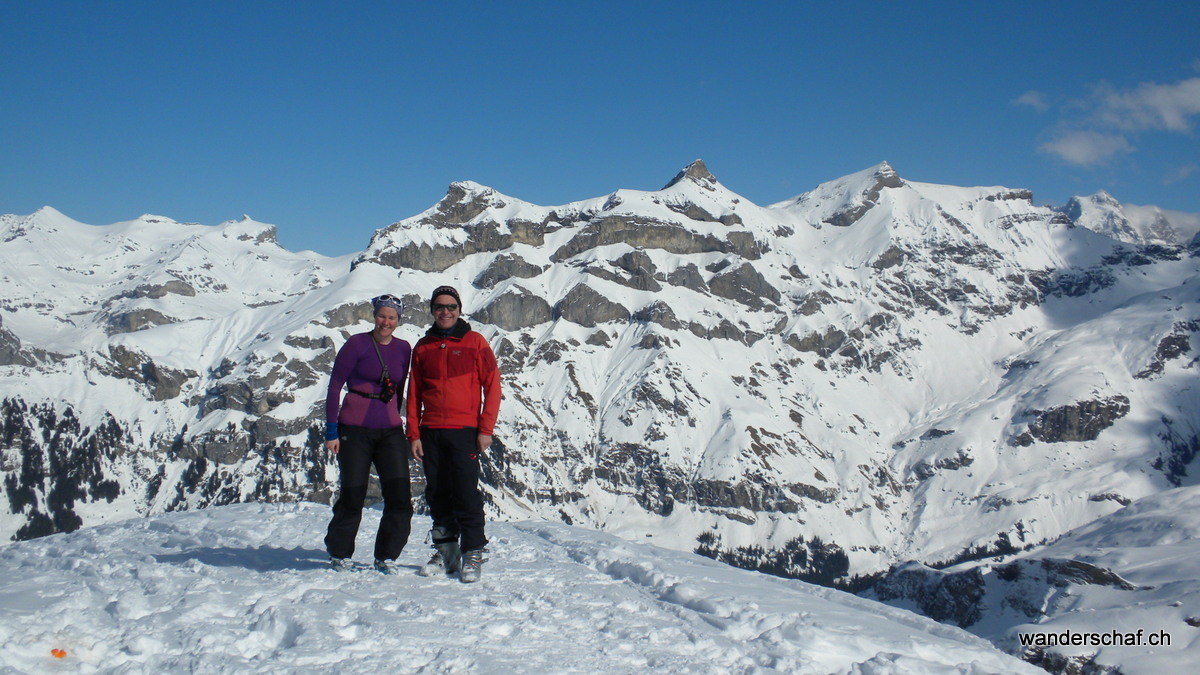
x=1034 y=99
x=1150 y=106
x=1180 y=174
x=1087 y=148
x=1094 y=130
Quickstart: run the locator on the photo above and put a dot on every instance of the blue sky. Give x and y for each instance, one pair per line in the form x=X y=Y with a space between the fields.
x=333 y=119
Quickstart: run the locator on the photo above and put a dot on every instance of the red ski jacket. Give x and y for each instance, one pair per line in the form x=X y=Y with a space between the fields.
x=454 y=382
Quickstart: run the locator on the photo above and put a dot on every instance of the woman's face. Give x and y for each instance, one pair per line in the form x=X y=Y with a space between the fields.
x=444 y=317
x=385 y=323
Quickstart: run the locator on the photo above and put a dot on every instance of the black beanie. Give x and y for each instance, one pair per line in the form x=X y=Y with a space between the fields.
x=445 y=290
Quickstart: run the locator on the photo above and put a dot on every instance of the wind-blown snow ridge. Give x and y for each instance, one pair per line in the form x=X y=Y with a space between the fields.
x=245 y=588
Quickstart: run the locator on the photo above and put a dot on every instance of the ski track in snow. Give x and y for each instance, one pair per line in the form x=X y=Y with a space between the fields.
x=246 y=588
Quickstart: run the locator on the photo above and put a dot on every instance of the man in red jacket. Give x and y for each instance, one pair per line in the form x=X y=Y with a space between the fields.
x=453 y=401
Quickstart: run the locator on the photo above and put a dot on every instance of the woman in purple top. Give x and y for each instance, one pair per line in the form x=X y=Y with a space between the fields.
x=367 y=429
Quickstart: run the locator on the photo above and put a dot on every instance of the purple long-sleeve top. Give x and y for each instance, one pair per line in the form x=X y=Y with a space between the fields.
x=357 y=367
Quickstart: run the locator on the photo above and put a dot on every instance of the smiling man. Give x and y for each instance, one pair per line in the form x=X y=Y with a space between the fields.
x=453 y=401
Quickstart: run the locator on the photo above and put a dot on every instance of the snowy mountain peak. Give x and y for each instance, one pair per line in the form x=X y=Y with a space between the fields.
x=1101 y=200
x=151 y=218
x=247 y=229
x=844 y=201
x=698 y=173
x=885 y=170
x=462 y=188
x=470 y=218
x=881 y=176
x=1129 y=223
x=45 y=218
x=49 y=211
x=464 y=201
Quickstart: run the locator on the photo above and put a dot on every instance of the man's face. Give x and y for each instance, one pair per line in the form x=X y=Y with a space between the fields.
x=444 y=317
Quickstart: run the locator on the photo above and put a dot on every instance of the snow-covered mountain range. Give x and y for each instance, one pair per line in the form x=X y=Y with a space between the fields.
x=874 y=373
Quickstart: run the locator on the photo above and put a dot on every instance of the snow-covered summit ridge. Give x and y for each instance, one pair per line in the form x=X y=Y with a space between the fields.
x=48 y=227
x=473 y=218
x=478 y=218
x=148 y=271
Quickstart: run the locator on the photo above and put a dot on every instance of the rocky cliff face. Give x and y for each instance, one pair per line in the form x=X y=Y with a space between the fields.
x=874 y=372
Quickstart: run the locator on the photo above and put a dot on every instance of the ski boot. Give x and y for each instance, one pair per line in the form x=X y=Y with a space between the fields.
x=387 y=567
x=446 y=557
x=472 y=565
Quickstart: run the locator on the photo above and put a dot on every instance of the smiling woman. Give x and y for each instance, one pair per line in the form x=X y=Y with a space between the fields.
x=367 y=429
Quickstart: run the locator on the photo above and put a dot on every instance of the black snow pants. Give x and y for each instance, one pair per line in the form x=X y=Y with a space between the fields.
x=387 y=449
x=452 y=485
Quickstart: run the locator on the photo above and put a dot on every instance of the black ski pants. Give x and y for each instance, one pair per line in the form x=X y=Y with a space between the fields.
x=387 y=449
x=452 y=485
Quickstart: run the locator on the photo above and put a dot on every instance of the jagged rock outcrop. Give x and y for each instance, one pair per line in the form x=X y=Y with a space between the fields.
x=813 y=302
x=138 y=319
x=688 y=276
x=162 y=383
x=1081 y=421
x=506 y=267
x=514 y=310
x=698 y=173
x=587 y=307
x=1175 y=345
x=634 y=269
x=155 y=291
x=660 y=313
x=11 y=351
x=462 y=205
x=746 y=285
x=655 y=234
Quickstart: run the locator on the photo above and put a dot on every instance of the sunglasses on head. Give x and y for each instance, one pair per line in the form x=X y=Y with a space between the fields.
x=387 y=300
x=437 y=307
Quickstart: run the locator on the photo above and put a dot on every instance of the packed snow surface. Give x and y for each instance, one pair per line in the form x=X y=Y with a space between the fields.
x=246 y=588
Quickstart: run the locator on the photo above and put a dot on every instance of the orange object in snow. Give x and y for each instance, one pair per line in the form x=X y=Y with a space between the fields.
x=58 y=653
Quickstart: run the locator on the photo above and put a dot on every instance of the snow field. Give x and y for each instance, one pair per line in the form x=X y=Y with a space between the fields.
x=246 y=588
